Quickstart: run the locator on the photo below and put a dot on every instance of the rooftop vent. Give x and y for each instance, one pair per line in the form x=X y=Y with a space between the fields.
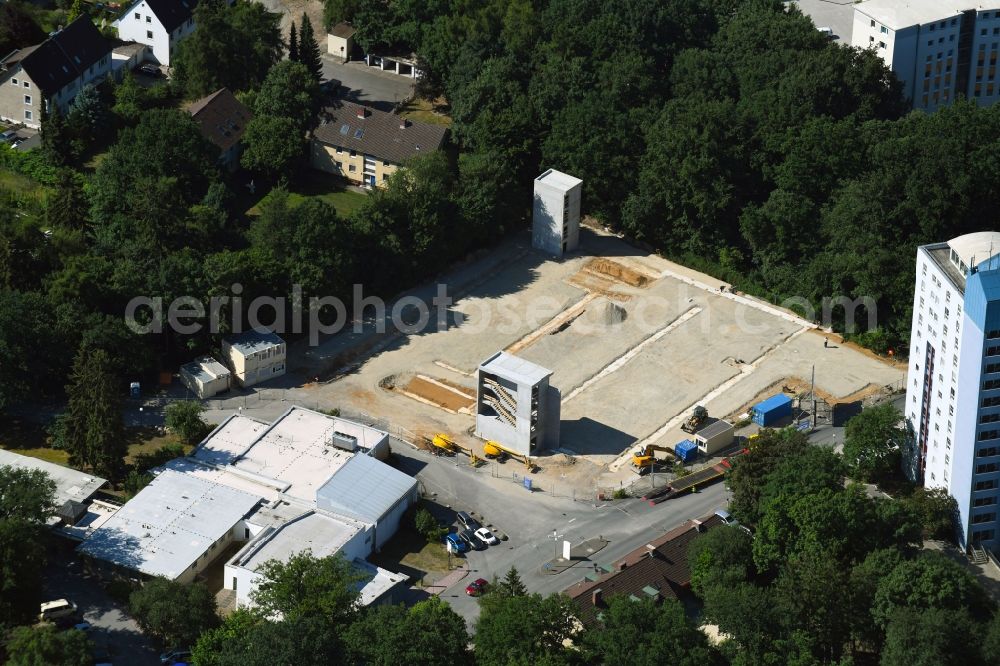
x=362 y=112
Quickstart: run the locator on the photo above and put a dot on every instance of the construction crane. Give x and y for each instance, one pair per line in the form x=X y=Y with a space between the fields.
x=697 y=419
x=643 y=459
x=447 y=446
x=500 y=452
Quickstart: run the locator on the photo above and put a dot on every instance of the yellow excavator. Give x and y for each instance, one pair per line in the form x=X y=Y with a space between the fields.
x=644 y=459
x=445 y=445
x=500 y=452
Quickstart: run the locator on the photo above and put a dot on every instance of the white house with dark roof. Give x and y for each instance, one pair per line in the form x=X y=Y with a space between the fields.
x=34 y=78
x=159 y=24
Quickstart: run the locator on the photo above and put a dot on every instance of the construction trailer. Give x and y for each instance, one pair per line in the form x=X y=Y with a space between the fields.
x=714 y=437
x=768 y=412
x=516 y=406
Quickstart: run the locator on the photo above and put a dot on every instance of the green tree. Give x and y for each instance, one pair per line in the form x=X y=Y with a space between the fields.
x=95 y=435
x=56 y=138
x=814 y=589
x=751 y=616
x=87 y=118
x=930 y=580
x=66 y=205
x=644 y=633
x=427 y=525
x=991 y=642
x=231 y=46
x=26 y=501
x=337 y=11
x=873 y=441
x=174 y=613
x=184 y=418
x=293 y=44
x=524 y=629
x=289 y=91
x=930 y=637
x=748 y=475
x=246 y=639
x=17 y=27
x=28 y=495
x=308 y=587
x=427 y=633
x=273 y=146
x=45 y=644
x=510 y=585
x=75 y=11
x=129 y=99
x=309 y=53
x=720 y=557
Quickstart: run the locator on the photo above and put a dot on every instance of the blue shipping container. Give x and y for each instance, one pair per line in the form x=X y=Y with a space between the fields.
x=773 y=409
x=686 y=450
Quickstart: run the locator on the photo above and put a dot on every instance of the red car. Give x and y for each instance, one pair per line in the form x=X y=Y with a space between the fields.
x=477 y=587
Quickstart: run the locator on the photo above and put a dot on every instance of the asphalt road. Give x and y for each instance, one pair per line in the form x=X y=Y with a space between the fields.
x=368 y=85
x=65 y=579
x=529 y=518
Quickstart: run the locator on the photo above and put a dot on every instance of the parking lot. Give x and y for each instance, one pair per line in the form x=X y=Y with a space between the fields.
x=368 y=85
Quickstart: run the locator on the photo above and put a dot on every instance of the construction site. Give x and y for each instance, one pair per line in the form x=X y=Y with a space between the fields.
x=631 y=342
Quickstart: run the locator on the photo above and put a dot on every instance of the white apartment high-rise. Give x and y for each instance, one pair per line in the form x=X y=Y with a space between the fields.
x=953 y=384
x=938 y=49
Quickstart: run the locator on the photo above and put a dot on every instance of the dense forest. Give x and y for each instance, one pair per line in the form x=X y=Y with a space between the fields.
x=729 y=135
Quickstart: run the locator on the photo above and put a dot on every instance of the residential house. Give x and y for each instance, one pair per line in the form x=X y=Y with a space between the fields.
x=34 y=78
x=255 y=356
x=658 y=570
x=159 y=24
x=366 y=145
x=222 y=119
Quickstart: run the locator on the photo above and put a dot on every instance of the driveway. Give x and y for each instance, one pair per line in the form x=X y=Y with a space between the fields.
x=126 y=643
x=360 y=83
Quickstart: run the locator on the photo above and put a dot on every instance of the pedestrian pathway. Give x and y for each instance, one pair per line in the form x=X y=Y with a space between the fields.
x=449 y=579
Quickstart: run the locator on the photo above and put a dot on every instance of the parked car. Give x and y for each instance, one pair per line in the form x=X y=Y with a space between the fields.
x=477 y=587
x=487 y=537
x=150 y=70
x=174 y=656
x=726 y=517
x=468 y=522
x=8 y=136
x=456 y=543
x=82 y=626
x=53 y=610
x=470 y=538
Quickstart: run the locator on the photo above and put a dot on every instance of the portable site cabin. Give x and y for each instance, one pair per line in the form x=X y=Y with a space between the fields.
x=714 y=437
x=772 y=410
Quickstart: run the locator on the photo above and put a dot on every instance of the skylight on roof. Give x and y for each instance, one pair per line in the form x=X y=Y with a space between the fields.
x=345 y=128
x=358 y=133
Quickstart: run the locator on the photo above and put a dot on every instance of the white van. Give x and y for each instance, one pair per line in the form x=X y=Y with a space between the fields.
x=53 y=610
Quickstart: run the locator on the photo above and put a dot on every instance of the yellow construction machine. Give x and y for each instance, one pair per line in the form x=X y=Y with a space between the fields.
x=500 y=452
x=643 y=459
x=445 y=445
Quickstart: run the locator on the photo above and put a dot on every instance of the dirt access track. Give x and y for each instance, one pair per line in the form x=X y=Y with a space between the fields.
x=633 y=341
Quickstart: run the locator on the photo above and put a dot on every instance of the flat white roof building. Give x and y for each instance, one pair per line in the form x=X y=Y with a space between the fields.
x=206 y=377
x=169 y=528
x=307 y=480
x=938 y=50
x=71 y=484
x=556 y=213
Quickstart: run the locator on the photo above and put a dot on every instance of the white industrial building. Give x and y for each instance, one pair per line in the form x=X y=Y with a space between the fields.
x=254 y=356
x=953 y=391
x=555 y=213
x=306 y=481
x=206 y=377
x=515 y=405
x=939 y=51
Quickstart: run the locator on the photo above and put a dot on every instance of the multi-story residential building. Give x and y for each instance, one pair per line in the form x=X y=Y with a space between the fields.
x=953 y=390
x=366 y=145
x=254 y=357
x=159 y=24
x=939 y=51
x=34 y=78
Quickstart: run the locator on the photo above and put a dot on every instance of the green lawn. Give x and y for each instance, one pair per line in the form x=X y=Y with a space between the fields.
x=29 y=439
x=20 y=185
x=432 y=112
x=324 y=187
